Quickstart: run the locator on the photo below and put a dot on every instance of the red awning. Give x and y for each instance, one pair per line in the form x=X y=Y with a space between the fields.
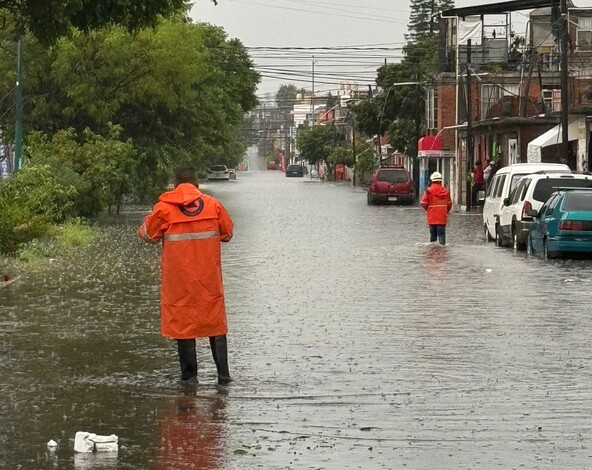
x=429 y=142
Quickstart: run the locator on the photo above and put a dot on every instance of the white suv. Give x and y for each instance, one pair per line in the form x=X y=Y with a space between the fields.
x=499 y=188
x=530 y=193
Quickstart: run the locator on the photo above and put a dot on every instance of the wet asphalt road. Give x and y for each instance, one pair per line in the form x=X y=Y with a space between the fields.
x=354 y=345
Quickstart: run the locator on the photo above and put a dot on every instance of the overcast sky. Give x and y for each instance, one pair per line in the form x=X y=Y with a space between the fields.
x=376 y=27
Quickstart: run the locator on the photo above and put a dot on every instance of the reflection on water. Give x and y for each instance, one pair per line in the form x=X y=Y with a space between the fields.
x=192 y=433
x=354 y=344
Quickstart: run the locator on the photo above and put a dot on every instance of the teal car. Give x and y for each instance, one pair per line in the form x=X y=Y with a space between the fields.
x=563 y=225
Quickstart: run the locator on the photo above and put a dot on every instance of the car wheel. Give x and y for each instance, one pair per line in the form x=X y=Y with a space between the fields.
x=498 y=236
x=529 y=249
x=486 y=232
x=546 y=253
x=370 y=199
x=516 y=245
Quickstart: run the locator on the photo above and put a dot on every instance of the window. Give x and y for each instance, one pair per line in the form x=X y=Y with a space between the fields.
x=551 y=205
x=517 y=193
x=525 y=189
x=515 y=179
x=392 y=176
x=556 y=101
x=584 y=34
x=490 y=94
x=500 y=186
x=491 y=185
x=511 y=90
x=432 y=109
x=578 y=202
x=548 y=99
x=546 y=187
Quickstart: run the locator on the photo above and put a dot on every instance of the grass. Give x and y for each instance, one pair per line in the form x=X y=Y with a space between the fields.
x=70 y=235
x=75 y=233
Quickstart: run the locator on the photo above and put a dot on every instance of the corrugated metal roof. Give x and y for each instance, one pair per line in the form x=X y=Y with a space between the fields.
x=500 y=7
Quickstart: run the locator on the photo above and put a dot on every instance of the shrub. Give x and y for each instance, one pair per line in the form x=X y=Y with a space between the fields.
x=31 y=201
x=76 y=232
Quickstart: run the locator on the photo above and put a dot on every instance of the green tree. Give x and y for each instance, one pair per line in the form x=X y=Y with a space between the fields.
x=30 y=202
x=340 y=155
x=100 y=168
x=285 y=97
x=47 y=20
x=399 y=109
x=316 y=144
x=422 y=17
x=181 y=108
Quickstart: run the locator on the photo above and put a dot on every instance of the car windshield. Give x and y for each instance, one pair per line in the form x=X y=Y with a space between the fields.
x=545 y=187
x=578 y=202
x=218 y=168
x=392 y=176
x=294 y=167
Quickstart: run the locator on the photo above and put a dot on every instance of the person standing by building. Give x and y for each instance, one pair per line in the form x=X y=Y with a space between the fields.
x=191 y=226
x=487 y=173
x=437 y=203
x=478 y=183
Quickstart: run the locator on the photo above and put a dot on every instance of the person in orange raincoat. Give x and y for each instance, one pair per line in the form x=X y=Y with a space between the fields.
x=437 y=203
x=191 y=226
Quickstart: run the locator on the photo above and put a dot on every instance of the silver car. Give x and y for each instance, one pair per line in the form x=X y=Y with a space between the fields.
x=218 y=172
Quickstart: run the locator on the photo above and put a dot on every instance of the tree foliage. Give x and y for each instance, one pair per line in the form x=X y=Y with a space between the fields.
x=286 y=95
x=340 y=155
x=422 y=17
x=317 y=143
x=99 y=168
x=181 y=108
x=48 y=20
x=399 y=109
x=30 y=202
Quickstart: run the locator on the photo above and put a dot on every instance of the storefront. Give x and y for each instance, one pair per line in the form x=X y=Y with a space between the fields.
x=432 y=158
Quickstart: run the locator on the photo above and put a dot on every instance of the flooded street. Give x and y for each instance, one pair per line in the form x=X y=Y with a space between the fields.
x=352 y=342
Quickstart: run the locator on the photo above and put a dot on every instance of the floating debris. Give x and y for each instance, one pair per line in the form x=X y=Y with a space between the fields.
x=85 y=442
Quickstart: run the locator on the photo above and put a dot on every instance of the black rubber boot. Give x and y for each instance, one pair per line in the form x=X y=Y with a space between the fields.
x=219 y=348
x=187 y=359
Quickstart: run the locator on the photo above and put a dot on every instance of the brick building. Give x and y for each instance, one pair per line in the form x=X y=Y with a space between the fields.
x=515 y=87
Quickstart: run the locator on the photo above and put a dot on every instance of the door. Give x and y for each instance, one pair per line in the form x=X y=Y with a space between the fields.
x=539 y=226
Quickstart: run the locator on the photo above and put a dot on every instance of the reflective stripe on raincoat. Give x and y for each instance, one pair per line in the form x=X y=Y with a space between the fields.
x=191 y=226
x=436 y=201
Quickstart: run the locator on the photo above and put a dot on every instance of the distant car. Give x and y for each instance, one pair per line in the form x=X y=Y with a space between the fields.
x=295 y=170
x=563 y=225
x=530 y=193
x=271 y=165
x=391 y=184
x=218 y=172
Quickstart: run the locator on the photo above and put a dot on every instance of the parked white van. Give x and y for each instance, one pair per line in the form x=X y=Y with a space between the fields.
x=499 y=188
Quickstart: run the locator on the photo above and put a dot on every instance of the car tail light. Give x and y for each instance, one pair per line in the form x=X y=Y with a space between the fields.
x=576 y=225
x=525 y=208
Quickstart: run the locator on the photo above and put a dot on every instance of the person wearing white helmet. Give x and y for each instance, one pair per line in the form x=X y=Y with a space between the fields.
x=437 y=203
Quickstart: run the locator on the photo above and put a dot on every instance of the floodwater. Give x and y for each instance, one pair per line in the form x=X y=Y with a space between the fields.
x=353 y=343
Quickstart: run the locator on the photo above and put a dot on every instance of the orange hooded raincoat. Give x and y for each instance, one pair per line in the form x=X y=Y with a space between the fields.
x=436 y=201
x=191 y=226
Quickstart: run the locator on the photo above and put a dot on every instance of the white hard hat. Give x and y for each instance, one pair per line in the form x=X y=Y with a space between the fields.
x=436 y=176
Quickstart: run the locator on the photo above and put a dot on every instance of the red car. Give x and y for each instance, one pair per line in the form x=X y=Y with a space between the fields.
x=391 y=184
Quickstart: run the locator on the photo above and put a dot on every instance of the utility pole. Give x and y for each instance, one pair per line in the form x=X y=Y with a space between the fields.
x=353 y=123
x=469 y=152
x=312 y=98
x=18 y=106
x=564 y=82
